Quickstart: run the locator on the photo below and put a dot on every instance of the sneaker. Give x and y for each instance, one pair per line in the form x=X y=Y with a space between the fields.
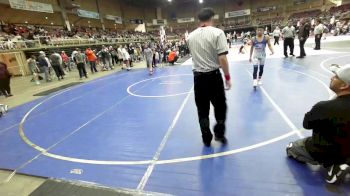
x=337 y=173
x=6 y=108
x=255 y=83
x=260 y=82
x=289 y=146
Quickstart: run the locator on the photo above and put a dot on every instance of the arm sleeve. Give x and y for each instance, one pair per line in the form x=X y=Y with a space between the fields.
x=221 y=44
x=314 y=117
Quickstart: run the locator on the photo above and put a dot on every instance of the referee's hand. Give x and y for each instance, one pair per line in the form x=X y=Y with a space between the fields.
x=228 y=85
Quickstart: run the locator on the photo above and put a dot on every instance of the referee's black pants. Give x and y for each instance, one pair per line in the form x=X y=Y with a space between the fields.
x=302 y=49
x=209 y=88
x=318 y=41
x=288 y=42
x=277 y=38
x=5 y=88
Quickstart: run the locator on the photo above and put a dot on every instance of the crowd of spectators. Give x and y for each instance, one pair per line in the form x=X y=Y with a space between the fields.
x=11 y=34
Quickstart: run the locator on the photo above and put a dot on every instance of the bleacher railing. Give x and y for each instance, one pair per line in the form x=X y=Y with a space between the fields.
x=47 y=42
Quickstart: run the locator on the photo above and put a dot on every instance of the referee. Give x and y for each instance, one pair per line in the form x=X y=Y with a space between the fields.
x=208 y=46
x=288 y=33
x=303 y=34
x=318 y=34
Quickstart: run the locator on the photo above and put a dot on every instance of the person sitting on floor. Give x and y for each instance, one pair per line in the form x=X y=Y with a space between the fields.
x=329 y=144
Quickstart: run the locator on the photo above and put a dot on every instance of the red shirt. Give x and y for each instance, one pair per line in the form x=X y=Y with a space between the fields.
x=172 y=56
x=91 y=55
x=65 y=57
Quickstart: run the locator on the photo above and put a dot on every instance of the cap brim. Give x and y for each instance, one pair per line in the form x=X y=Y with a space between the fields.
x=334 y=68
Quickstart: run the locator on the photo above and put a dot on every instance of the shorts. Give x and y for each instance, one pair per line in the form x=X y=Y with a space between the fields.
x=149 y=62
x=259 y=61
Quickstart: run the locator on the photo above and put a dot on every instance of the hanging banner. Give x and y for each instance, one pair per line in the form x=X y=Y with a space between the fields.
x=117 y=19
x=31 y=6
x=266 y=9
x=184 y=20
x=88 y=14
x=237 y=13
x=159 y=22
x=298 y=2
x=136 y=21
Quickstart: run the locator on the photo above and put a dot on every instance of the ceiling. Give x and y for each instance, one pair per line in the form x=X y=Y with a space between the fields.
x=154 y=3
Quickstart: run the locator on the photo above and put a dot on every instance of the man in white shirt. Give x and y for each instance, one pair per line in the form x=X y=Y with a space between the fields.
x=288 y=33
x=208 y=46
x=149 y=58
x=318 y=34
x=277 y=35
x=228 y=36
x=126 y=57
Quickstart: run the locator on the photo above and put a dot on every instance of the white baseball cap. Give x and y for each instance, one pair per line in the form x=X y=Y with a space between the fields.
x=343 y=72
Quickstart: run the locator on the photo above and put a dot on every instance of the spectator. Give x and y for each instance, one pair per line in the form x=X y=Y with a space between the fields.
x=44 y=65
x=32 y=64
x=277 y=35
x=5 y=77
x=172 y=57
x=79 y=59
x=126 y=57
x=65 y=59
x=329 y=144
x=56 y=62
x=92 y=60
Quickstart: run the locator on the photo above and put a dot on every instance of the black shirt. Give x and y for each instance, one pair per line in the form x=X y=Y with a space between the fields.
x=42 y=61
x=304 y=31
x=330 y=122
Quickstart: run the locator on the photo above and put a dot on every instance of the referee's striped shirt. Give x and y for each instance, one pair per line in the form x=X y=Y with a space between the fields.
x=288 y=32
x=206 y=44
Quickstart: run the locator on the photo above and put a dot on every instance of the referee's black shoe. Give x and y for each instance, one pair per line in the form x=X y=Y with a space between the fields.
x=222 y=139
x=207 y=139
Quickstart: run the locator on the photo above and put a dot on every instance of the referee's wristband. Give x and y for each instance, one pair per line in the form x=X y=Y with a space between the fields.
x=227 y=77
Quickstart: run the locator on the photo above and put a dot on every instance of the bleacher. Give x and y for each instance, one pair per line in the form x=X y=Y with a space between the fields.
x=339 y=9
x=305 y=14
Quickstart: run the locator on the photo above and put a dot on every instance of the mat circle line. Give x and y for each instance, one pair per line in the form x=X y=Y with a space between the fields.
x=145 y=162
x=156 y=96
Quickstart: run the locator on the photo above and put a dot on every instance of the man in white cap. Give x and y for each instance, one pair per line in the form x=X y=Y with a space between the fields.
x=329 y=144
